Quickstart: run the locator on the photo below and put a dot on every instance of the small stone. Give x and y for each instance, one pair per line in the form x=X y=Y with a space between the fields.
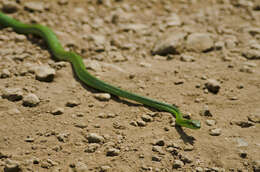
x=12 y=166
x=241 y=142
x=20 y=38
x=210 y=122
x=213 y=86
x=141 y=123
x=63 y=2
x=177 y=164
x=72 y=103
x=45 y=73
x=253 y=30
x=179 y=82
x=169 y=44
x=188 y=147
x=80 y=167
x=185 y=158
x=102 y=96
x=34 y=6
x=158 y=149
x=242 y=154
x=5 y=73
x=215 y=132
x=187 y=58
x=144 y=64
x=10 y=7
x=146 y=118
x=244 y=124
x=104 y=168
x=13 y=94
x=200 y=42
x=251 y=54
x=113 y=152
x=199 y=169
x=91 y=148
x=246 y=69
x=93 y=65
x=256 y=164
x=63 y=137
x=173 y=20
x=159 y=142
x=156 y=158
x=81 y=125
x=95 y=138
x=206 y=112
x=57 y=111
x=134 y=123
x=31 y=100
x=255 y=117
x=29 y=139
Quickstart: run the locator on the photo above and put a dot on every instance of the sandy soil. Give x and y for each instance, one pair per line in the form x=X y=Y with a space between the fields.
x=201 y=55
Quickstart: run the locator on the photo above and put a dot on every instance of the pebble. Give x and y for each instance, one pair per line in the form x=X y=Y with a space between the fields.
x=158 y=149
x=171 y=44
x=141 y=123
x=242 y=154
x=210 y=122
x=105 y=168
x=206 y=112
x=31 y=100
x=241 y=142
x=91 y=148
x=188 y=147
x=63 y=137
x=45 y=73
x=173 y=20
x=200 y=42
x=81 y=125
x=93 y=65
x=13 y=94
x=102 y=96
x=159 y=142
x=34 y=6
x=5 y=73
x=57 y=111
x=72 y=103
x=12 y=166
x=10 y=7
x=146 y=118
x=19 y=38
x=255 y=117
x=213 y=85
x=156 y=158
x=199 y=169
x=244 y=124
x=187 y=58
x=29 y=139
x=215 y=132
x=95 y=138
x=113 y=152
x=251 y=54
x=177 y=164
x=253 y=30
x=256 y=165
x=80 y=167
x=185 y=158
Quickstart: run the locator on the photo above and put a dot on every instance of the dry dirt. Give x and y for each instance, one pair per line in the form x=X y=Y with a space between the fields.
x=120 y=42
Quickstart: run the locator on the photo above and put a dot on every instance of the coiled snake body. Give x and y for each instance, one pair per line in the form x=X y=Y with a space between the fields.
x=60 y=54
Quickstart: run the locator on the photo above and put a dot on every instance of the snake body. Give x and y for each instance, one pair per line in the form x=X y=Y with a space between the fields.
x=80 y=70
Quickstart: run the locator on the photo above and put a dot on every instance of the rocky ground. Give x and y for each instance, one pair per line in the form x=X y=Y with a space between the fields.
x=201 y=55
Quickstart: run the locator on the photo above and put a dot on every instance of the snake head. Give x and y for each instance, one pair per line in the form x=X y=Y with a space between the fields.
x=189 y=123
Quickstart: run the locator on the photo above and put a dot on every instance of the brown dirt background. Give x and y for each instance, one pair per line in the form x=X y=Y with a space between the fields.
x=74 y=22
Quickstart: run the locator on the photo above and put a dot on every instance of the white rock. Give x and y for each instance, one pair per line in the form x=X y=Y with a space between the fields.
x=13 y=94
x=215 y=132
x=45 y=73
x=34 y=6
x=200 y=42
x=102 y=96
x=31 y=100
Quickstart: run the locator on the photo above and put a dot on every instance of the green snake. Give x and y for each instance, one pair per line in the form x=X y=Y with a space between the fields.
x=80 y=70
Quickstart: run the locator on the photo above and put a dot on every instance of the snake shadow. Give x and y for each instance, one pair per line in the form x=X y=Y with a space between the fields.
x=38 y=41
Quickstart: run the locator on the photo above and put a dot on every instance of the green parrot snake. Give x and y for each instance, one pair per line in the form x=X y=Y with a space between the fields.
x=59 y=53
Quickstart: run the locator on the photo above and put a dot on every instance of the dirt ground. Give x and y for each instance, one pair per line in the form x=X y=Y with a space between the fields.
x=201 y=55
